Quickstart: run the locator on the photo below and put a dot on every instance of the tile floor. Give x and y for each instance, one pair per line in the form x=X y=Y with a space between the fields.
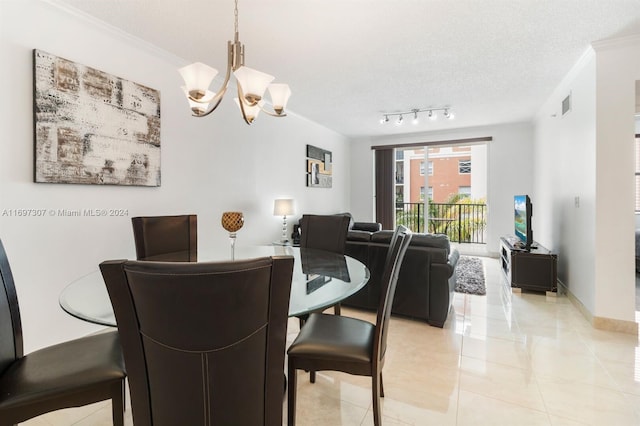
x=501 y=359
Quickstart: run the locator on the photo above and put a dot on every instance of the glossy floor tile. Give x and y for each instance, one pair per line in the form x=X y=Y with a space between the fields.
x=501 y=359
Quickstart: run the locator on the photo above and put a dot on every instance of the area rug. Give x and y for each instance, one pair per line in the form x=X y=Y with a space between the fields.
x=470 y=276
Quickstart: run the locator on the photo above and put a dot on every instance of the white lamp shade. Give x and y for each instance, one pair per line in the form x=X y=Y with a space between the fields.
x=279 y=95
x=283 y=207
x=198 y=76
x=251 y=111
x=253 y=82
x=200 y=106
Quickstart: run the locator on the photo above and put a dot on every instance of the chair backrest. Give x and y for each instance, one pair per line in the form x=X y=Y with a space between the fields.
x=168 y=238
x=11 y=347
x=204 y=343
x=397 y=250
x=324 y=232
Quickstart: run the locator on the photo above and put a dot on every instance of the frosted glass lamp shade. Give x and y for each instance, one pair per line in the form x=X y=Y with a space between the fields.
x=198 y=108
x=197 y=78
x=251 y=111
x=253 y=82
x=279 y=96
x=283 y=207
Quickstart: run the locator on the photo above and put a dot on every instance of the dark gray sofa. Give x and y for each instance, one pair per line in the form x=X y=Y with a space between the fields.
x=427 y=278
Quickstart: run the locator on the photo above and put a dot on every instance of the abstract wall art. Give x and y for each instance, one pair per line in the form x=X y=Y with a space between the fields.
x=91 y=127
x=319 y=167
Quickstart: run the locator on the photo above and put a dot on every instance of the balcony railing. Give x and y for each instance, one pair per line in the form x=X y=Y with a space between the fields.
x=462 y=223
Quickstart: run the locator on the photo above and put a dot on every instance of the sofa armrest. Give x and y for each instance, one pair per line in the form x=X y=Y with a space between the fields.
x=367 y=226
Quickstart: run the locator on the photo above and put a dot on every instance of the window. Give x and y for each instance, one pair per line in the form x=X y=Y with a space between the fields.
x=422 y=169
x=422 y=193
x=431 y=192
x=430 y=168
x=464 y=191
x=464 y=167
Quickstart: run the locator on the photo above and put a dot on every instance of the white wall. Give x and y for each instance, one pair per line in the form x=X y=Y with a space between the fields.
x=209 y=165
x=589 y=196
x=618 y=68
x=509 y=172
x=567 y=144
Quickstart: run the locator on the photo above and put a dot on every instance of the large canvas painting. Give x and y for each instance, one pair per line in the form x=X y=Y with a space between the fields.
x=92 y=127
x=319 y=173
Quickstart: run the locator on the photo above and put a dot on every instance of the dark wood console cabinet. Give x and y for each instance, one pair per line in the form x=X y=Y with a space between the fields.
x=535 y=269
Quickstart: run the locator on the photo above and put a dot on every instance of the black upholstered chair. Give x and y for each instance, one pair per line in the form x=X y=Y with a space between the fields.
x=337 y=343
x=324 y=232
x=204 y=343
x=70 y=374
x=166 y=238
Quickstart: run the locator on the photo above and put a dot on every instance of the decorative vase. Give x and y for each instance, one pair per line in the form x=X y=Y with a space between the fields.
x=232 y=222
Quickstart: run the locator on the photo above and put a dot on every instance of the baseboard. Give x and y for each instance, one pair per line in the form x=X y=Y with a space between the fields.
x=600 y=323
x=620 y=326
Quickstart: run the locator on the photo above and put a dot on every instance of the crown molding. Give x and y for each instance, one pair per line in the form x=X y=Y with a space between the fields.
x=616 y=43
x=116 y=32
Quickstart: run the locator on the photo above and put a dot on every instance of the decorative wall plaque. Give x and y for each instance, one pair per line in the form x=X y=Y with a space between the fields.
x=319 y=167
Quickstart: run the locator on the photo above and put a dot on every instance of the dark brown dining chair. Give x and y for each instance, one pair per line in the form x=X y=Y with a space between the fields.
x=324 y=232
x=69 y=374
x=350 y=345
x=204 y=343
x=166 y=238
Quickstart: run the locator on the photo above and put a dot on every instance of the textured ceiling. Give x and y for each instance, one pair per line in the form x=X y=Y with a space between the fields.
x=349 y=61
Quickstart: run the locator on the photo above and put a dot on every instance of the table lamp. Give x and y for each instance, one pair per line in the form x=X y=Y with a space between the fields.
x=283 y=207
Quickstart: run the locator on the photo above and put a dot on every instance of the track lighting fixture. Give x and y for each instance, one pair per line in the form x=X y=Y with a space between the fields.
x=431 y=114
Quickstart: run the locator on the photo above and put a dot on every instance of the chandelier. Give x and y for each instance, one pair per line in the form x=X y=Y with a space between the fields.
x=431 y=114
x=251 y=85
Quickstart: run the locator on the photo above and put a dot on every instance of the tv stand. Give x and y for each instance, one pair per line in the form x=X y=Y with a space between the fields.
x=533 y=268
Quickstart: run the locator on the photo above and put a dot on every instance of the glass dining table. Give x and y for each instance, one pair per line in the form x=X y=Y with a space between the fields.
x=320 y=279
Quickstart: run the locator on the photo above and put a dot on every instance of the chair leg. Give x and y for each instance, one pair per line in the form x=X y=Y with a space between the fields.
x=312 y=376
x=117 y=403
x=291 y=395
x=336 y=309
x=381 y=386
x=375 y=390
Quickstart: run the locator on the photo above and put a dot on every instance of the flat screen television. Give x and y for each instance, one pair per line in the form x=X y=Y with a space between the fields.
x=522 y=217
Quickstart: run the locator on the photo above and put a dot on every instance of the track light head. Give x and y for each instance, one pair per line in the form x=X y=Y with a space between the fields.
x=400 y=118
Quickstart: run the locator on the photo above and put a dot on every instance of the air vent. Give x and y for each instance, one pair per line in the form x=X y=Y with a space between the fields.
x=566 y=104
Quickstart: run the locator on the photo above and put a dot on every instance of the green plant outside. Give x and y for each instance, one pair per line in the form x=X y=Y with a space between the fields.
x=460 y=223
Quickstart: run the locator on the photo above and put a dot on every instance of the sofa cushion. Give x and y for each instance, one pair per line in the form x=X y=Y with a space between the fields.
x=431 y=240
x=382 y=237
x=367 y=226
x=360 y=236
x=418 y=240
